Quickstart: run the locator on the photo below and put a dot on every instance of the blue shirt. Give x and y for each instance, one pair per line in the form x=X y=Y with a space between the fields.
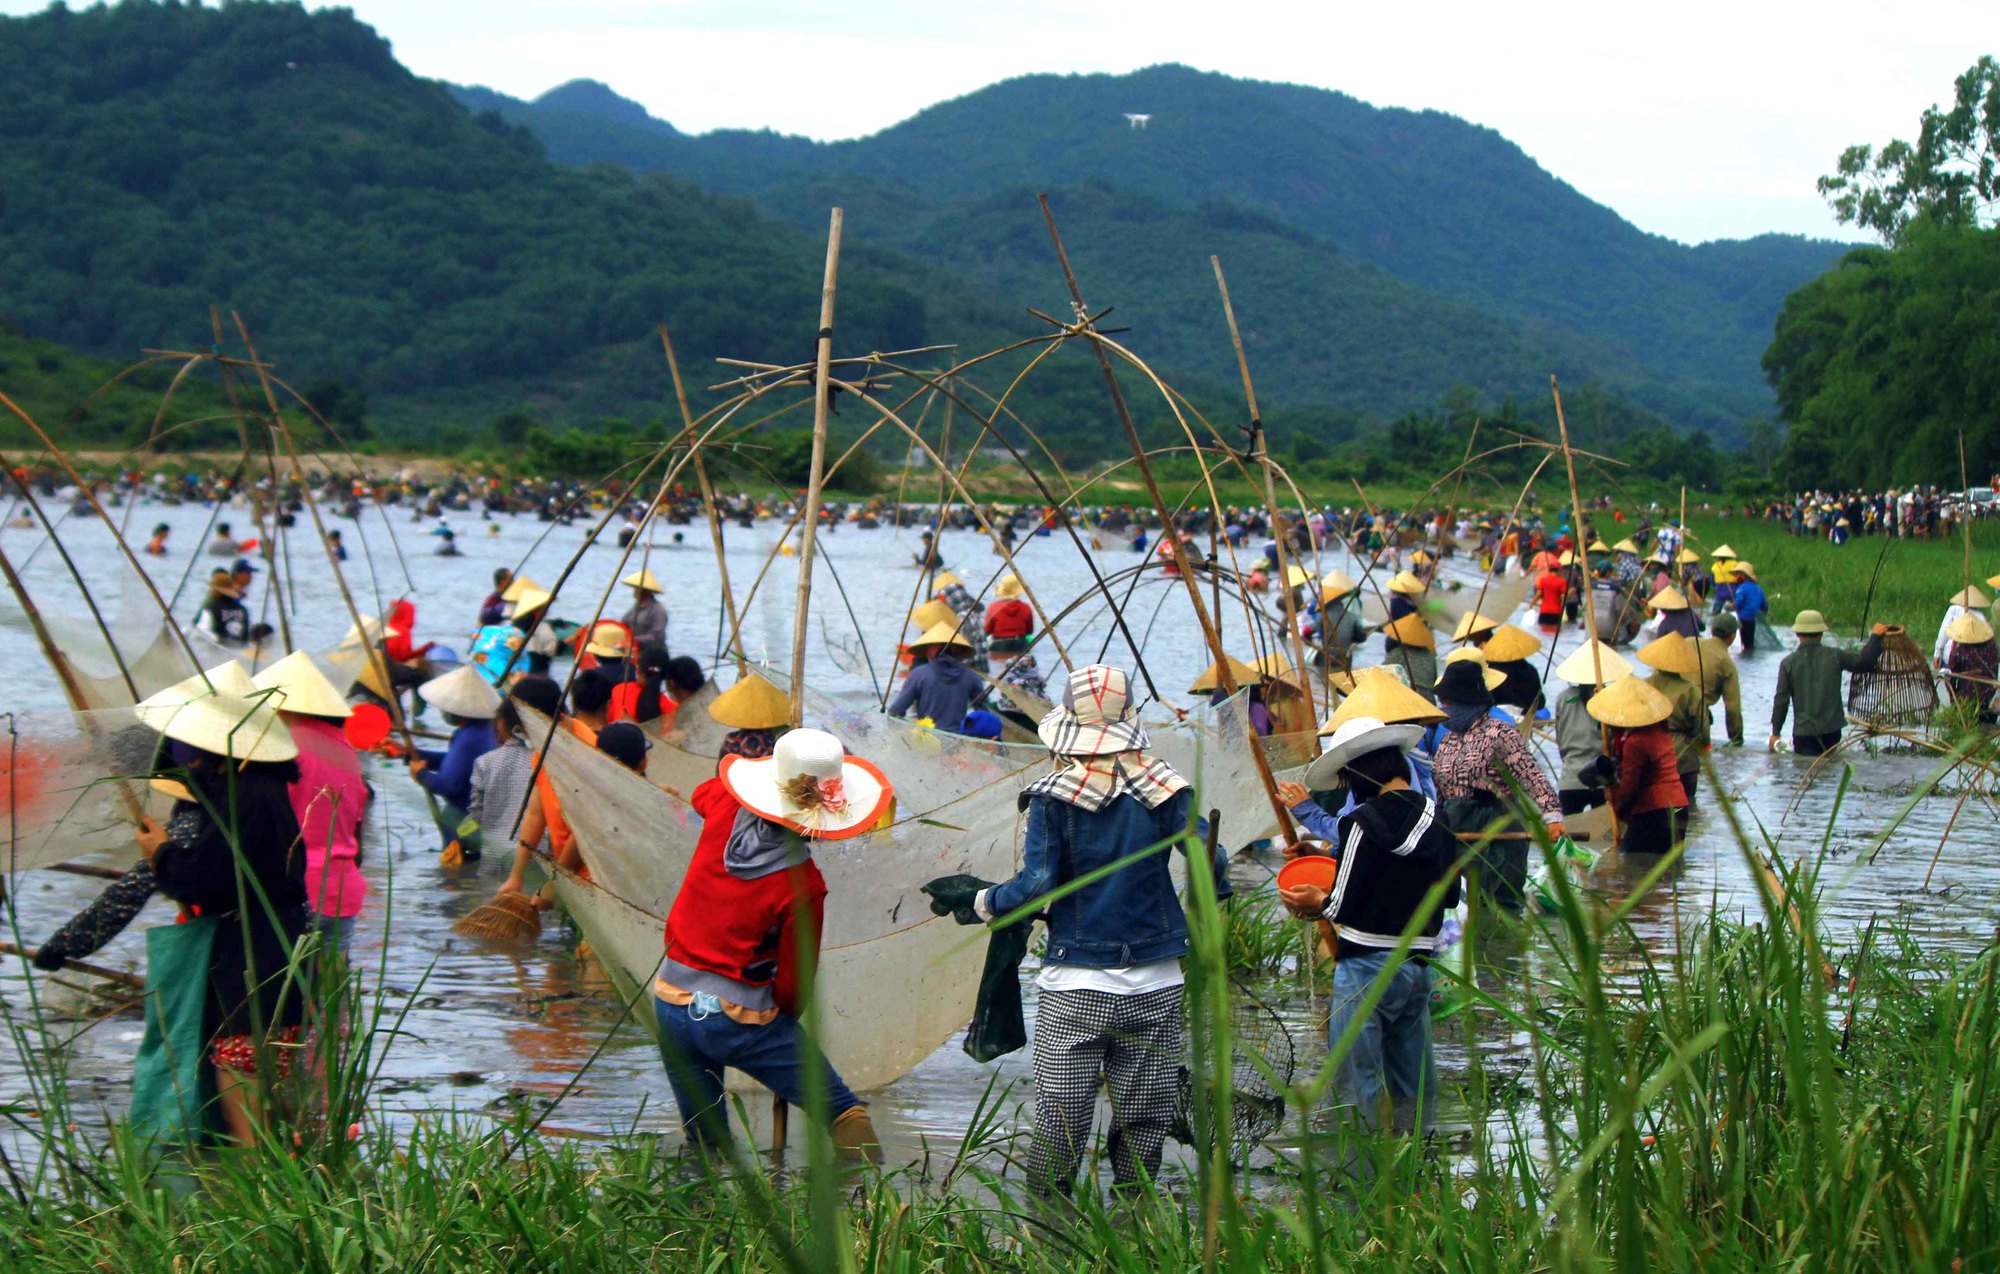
x=449 y=776
x=1750 y=603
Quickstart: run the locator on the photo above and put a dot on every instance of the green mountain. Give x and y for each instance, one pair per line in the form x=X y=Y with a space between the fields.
x=158 y=158
x=393 y=241
x=1451 y=210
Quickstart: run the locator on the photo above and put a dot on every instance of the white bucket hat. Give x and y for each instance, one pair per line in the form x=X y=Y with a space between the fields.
x=1095 y=716
x=463 y=693
x=810 y=785
x=302 y=687
x=1358 y=736
x=226 y=715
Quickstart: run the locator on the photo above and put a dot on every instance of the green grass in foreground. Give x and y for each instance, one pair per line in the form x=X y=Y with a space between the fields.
x=1713 y=1113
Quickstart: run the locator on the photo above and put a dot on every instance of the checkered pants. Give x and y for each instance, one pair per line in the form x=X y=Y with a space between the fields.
x=1130 y=1043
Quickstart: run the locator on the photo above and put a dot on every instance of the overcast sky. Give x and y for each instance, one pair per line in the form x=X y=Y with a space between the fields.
x=1700 y=119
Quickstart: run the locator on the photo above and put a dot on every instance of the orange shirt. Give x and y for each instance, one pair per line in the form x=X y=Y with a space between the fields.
x=625 y=705
x=560 y=836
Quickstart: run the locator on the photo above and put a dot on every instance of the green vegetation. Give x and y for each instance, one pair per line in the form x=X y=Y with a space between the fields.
x=1730 y=1107
x=1365 y=246
x=72 y=397
x=1883 y=363
x=1915 y=582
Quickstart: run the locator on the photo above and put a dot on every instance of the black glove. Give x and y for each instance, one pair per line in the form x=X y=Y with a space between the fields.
x=258 y=632
x=953 y=896
x=49 y=959
x=1602 y=772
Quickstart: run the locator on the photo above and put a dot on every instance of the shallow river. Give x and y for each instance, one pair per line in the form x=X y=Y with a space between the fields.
x=488 y=1030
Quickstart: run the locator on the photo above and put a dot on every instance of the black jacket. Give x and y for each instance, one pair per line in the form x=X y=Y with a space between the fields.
x=1392 y=850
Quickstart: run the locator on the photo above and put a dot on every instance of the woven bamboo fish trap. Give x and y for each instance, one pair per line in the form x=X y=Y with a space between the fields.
x=1899 y=693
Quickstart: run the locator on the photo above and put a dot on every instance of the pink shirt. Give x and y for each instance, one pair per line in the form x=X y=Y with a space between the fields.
x=330 y=800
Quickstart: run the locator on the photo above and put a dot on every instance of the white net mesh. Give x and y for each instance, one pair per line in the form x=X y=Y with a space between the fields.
x=68 y=786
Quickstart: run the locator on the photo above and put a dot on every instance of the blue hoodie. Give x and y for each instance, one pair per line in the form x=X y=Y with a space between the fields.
x=941 y=690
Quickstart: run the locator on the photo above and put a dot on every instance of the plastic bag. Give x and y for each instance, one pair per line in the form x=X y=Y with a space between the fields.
x=1574 y=858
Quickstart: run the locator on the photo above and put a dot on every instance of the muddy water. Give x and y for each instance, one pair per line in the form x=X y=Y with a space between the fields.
x=488 y=1030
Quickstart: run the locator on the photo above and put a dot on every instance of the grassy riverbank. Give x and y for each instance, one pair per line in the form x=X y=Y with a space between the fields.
x=1732 y=1109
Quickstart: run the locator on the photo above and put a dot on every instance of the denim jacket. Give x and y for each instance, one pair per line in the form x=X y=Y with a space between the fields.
x=1131 y=916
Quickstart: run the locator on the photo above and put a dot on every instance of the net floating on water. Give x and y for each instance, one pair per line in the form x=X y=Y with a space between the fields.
x=1900 y=692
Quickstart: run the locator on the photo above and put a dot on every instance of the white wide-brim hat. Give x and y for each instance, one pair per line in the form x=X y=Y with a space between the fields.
x=302 y=687
x=1358 y=736
x=1095 y=717
x=463 y=693
x=846 y=797
x=226 y=715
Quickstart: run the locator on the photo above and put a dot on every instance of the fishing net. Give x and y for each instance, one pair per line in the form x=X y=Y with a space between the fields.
x=1899 y=692
x=66 y=785
x=895 y=982
x=1262 y=1062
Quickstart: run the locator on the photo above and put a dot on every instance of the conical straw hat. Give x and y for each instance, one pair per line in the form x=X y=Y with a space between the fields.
x=949 y=632
x=932 y=613
x=302 y=687
x=463 y=693
x=1411 y=630
x=1668 y=598
x=1630 y=703
x=1567 y=559
x=1580 y=670
x=1241 y=673
x=1009 y=586
x=1971 y=597
x=1993 y=581
x=1597 y=546
x=530 y=601
x=1335 y=583
x=1969 y=629
x=644 y=578
x=1722 y=550
x=1422 y=558
x=1472 y=655
x=1407 y=584
x=1276 y=666
x=1743 y=568
x=1296 y=575
x=1672 y=653
x=753 y=703
x=1687 y=557
x=1473 y=622
x=226 y=722
x=1379 y=693
x=1509 y=643
x=944 y=580
x=1625 y=546
x=517 y=586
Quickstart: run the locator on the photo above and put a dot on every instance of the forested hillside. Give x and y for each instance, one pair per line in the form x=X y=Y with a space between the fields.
x=423 y=254
x=1448 y=208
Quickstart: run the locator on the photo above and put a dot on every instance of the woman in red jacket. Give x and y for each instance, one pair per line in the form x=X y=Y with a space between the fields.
x=745 y=918
x=1639 y=772
x=1010 y=622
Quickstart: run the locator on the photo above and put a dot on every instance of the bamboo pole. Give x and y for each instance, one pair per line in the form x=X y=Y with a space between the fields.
x=377 y=656
x=1262 y=456
x=1589 y=606
x=1223 y=676
x=817 y=479
x=119 y=976
x=707 y=501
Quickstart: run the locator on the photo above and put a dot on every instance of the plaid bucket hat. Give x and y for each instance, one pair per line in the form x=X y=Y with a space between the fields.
x=1095 y=717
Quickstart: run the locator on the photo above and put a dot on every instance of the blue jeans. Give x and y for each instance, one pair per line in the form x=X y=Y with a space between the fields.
x=337 y=932
x=1392 y=1052
x=697 y=1043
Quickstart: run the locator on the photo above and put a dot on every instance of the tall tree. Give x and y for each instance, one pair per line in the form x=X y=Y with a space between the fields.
x=1948 y=176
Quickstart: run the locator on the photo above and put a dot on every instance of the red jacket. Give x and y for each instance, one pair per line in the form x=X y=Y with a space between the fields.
x=1648 y=775
x=1010 y=617
x=624 y=705
x=745 y=930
